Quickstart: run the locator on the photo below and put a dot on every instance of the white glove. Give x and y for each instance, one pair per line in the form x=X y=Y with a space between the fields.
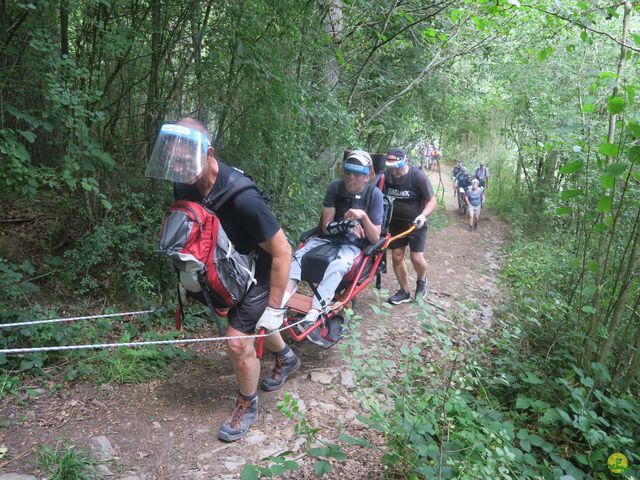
x=420 y=221
x=271 y=319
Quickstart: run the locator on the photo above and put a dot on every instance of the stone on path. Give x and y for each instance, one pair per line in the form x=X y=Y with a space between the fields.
x=16 y=476
x=234 y=463
x=104 y=449
x=324 y=378
x=256 y=437
x=347 y=379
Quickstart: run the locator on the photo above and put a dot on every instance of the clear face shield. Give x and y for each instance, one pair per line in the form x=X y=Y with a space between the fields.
x=179 y=154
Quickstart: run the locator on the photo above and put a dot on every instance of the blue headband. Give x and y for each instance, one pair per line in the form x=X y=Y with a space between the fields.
x=352 y=167
x=184 y=132
x=399 y=163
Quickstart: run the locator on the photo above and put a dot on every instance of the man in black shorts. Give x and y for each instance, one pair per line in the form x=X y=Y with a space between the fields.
x=184 y=154
x=413 y=202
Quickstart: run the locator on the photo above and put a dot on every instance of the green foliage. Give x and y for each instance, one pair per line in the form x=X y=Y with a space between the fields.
x=439 y=218
x=120 y=254
x=66 y=462
x=506 y=415
x=279 y=465
x=290 y=409
x=122 y=365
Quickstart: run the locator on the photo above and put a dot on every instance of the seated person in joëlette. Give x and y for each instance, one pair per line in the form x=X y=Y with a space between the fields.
x=351 y=218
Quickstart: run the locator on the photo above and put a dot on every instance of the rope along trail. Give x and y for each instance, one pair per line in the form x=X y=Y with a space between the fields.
x=14 y=351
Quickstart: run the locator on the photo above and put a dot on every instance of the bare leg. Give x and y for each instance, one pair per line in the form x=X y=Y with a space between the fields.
x=419 y=264
x=274 y=343
x=245 y=363
x=397 y=257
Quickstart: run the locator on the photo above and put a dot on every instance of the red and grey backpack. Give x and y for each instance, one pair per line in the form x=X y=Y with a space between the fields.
x=208 y=266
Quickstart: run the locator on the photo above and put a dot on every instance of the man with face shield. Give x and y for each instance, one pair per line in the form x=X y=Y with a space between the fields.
x=413 y=202
x=183 y=154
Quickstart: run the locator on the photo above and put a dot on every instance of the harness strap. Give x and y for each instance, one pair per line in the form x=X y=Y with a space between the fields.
x=206 y=293
x=236 y=183
x=180 y=307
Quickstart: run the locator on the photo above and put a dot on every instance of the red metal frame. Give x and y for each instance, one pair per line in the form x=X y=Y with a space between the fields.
x=350 y=292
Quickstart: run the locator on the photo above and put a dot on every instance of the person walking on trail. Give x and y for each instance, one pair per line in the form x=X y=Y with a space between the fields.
x=463 y=181
x=423 y=150
x=351 y=217
x=435 y=154
x=454 y=173
x=461 y=175
x=482 y=174
x=475 y=201
x=413 y=202
x=184 y=154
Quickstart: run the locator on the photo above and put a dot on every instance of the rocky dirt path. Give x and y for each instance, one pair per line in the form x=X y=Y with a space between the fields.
x=166 y=429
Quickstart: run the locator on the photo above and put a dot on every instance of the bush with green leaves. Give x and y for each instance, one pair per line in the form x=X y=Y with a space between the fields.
x=497 y=414
x=121 y=365
x=121 y=254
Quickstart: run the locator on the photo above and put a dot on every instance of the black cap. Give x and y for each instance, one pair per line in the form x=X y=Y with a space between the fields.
x=397 y=152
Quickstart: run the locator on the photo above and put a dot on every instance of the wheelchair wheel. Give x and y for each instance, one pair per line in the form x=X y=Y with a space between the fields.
x=335 y=327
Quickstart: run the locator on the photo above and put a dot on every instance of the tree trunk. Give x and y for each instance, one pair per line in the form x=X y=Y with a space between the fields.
x=634 y=365
x=597 y=316
x=196 y=39
x=332 y=23
x=64 y=28
x=153 y=91
x=621 y=302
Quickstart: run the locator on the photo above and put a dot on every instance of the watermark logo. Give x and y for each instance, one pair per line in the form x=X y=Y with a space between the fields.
x=617 y=463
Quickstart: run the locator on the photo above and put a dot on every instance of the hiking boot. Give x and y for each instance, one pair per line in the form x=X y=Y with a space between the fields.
x=470 y=227
x=309 y=320
x=401 y=296
x=237 y=425
x=285 y=365
x=475 y=226
x=421 y=288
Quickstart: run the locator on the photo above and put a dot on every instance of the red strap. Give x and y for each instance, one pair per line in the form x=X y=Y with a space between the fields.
x=178 y=317
x=260 y=343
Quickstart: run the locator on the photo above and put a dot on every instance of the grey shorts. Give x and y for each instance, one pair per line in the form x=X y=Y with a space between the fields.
x=475 y=210
x=246 y=313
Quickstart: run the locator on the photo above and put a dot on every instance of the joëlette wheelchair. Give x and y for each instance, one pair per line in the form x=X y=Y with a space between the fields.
x=370 y=264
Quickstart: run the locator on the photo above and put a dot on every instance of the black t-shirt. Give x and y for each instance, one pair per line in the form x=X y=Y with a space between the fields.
x=464 y=183
x=246 y=218
x=374 y=209
x=410 y=194
x=373 y=206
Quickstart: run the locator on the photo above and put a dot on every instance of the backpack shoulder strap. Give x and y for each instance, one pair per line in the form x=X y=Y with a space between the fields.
x=237 y=182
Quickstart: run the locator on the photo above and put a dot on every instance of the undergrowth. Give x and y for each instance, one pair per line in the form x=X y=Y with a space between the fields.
x=66 y=462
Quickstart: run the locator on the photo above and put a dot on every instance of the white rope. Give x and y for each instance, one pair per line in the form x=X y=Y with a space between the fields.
x=71 y=319
x=10 y=351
